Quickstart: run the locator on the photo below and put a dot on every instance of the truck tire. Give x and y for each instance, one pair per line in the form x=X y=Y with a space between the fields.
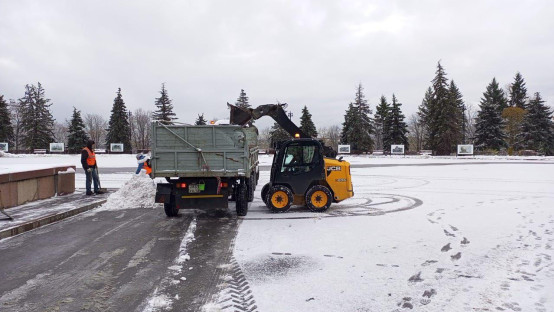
x=251 y=186
x=171 y=209
x=241 y=199
x=265 y=189
x=318 y=198
x=279 y=198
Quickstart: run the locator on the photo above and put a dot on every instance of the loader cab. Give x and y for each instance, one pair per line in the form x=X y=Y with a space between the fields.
x=297 y=164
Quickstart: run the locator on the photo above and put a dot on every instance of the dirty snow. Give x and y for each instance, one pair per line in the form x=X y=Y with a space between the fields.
x=138 y=192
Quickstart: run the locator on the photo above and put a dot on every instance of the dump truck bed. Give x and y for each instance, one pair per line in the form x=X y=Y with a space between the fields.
x=203 y=151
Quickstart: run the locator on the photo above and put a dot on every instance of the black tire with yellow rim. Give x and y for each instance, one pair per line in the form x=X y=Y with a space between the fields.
x=318 y=198
x=279 y=198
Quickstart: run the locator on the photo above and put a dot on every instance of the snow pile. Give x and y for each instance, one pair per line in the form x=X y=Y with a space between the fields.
x=138 y=192
x=69 y=170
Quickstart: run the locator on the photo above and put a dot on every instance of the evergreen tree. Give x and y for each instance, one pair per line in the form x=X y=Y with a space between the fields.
x=200 y=121
x=119 y=130
x=518 y=92
x=441 y=116
x=513 y=118
x=278 y=134
x=306 y=124
x=6 y=128
x=242 y=102
x=397 y=128
x=489 y=123
x=164 y=112
x=458 y=101
x=346 y=132
x=381 y=128
x=77 y=138
x=37 y=122
x=425 y=116
x=360 y=123
x=537 y=133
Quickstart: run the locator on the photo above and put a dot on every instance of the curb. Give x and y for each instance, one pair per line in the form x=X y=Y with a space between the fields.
x=47 y=220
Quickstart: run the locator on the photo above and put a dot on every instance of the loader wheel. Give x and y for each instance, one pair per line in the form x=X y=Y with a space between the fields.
x=171 y=209
x=318 y=198
x=279 y=198
x=265 y=189
x=241 y=199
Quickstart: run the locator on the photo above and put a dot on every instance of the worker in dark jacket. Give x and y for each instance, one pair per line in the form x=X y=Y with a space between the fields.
x=88 y=160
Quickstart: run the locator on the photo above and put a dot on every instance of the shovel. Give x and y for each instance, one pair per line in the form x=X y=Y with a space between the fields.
x=100 y=188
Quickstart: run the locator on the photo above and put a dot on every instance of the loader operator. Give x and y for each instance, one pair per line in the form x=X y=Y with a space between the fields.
x=88 y=161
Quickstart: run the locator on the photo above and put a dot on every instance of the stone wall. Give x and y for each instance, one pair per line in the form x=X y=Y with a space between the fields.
x=18 y=188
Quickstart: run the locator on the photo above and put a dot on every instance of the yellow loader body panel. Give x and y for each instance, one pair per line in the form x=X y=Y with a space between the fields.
x=337 y=175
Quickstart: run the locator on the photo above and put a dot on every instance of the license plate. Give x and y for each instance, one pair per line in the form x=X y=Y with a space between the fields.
x=193 y=188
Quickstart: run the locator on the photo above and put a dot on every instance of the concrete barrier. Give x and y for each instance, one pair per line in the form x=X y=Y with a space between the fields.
x=17 y=188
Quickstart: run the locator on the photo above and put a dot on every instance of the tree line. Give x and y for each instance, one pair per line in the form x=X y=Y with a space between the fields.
x=506 y=120
x=27 y=123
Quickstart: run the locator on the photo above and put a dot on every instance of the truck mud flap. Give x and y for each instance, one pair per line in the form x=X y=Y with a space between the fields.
x=163 y=193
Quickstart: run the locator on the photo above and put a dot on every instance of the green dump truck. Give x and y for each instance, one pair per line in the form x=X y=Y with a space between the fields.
x=204 y=166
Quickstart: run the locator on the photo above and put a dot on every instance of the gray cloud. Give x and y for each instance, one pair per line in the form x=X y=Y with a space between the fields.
x=310 y=53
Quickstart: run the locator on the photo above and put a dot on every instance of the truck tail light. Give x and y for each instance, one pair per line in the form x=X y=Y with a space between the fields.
x=181 y=185
x=224 y=184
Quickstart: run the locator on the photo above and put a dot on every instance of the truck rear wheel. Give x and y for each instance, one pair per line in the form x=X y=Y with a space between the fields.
x=318 y=198
x=251 y=186
x=279 y=198
x=171 y=209
x=241 y=199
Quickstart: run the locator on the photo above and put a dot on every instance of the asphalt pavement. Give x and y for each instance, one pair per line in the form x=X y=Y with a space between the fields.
x=116 y=261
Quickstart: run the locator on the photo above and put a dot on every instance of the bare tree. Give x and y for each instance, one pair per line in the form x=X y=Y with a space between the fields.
x=330 y=135
x=61 y=132
x=16 y=116
x=417 y=132
x=96 y=128
x=141 y=129
x=264 y=138
x=471 y=114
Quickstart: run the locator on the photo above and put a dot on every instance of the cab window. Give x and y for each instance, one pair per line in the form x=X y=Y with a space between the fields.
x=299 y=158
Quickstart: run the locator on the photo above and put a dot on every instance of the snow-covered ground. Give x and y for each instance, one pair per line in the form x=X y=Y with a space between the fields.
x=469 y=237
x=23 y=162
x=432 y=238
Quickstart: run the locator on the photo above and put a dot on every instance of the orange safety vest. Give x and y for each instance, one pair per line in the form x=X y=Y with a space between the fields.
x=91 y=159
x=147 y=168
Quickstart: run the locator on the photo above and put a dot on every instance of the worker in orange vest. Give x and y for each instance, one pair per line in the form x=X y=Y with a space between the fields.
x=88 y=161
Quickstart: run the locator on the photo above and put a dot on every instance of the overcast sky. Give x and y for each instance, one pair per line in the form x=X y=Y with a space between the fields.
x=311 y=53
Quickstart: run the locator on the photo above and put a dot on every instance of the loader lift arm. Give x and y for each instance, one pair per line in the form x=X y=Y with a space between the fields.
x=241 y=116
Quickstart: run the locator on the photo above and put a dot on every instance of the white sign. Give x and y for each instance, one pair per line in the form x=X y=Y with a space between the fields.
x=344 y=149
x=397 y=149
x=56 y=147
x=465 y=149
x=116 y=147
x=4 y=146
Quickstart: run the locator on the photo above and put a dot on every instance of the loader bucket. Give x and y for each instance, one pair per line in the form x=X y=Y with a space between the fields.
x=239 y=116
